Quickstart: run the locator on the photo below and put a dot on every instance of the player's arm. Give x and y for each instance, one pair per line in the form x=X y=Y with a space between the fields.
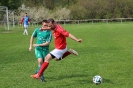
x=21 y=21
x=31 y=43
x=44 y=44
x=74 y=38
x=67 y=34
x=45 y=28
x=29 y=21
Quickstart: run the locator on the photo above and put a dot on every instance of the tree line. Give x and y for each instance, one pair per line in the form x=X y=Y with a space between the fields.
x=76 y=9
x=102 y=9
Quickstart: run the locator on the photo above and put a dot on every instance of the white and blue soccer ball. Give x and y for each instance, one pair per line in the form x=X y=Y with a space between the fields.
x=97 y=79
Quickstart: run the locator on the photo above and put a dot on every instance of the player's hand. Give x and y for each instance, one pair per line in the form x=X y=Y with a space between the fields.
x=79 y=40
x=41 y=29
x=30 y=48
x=45 y=28
x=29 y=23
x=20 y=24
x=35 y=45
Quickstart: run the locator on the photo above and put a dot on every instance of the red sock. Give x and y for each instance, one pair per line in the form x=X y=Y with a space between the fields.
x=66 y=54
x=43 y=68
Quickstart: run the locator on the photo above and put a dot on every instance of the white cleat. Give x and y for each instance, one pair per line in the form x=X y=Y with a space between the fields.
x=73 y=52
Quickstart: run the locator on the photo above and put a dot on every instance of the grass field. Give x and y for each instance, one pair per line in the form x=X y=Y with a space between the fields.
x=106 y=50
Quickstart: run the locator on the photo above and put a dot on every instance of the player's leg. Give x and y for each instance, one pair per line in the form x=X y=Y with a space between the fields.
x=40 y=62
x=39 y=59
x=40 y=56
x=43 y=67
x=56 y=53
x=44 y=53
x=68 y=52
x=26 y=29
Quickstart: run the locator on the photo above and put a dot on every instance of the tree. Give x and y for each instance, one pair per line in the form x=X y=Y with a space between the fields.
x=11 y=4
x=101 y=9
x=37 y=3
x=50 y=4
x=33 y=3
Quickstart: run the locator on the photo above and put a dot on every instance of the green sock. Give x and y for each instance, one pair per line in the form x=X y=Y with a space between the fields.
x=38 y=69
x=42 y=76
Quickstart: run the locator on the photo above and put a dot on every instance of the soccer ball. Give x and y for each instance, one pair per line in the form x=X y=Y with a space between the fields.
x=97 y=79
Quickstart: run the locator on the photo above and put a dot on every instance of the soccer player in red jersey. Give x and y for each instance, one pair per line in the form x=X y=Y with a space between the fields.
x=60 y=51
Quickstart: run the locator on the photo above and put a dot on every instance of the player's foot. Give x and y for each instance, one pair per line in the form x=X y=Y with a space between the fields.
x=35 y=76
x=23 y=33
x=43 y=79
x=73 y=52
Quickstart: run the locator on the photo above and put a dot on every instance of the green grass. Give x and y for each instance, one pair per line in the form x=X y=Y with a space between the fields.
x=106 y=50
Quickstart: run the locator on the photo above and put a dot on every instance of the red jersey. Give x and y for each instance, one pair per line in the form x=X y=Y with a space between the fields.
x=60 y=35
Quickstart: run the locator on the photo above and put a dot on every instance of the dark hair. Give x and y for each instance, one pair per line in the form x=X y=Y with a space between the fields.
x=25 y=13
x=45 y=21
x=50 y=20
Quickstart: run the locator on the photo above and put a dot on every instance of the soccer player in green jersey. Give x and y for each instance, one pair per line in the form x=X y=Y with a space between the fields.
x=43 y=39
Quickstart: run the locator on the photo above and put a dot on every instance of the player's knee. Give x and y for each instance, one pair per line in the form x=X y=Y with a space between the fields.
x=40 y=61
x=48 y=58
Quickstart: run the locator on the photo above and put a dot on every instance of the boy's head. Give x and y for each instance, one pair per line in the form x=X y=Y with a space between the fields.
x=51 y=23
x=44 y=23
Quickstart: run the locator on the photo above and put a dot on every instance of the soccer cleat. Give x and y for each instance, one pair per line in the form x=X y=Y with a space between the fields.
x=35 y=76
x=43 y=80
x=73 y=52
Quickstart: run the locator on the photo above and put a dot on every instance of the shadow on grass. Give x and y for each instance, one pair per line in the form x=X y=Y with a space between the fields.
x=73 y=77
x=107 y=81
x=79 y=78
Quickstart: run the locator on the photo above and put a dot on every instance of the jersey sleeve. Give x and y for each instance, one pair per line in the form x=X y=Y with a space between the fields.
x=63 y=31
x=34 y=34
x=22 y=20
x=49 y=38
x=28 y=19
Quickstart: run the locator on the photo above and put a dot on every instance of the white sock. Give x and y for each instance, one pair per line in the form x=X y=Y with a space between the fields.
x=26 y=31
